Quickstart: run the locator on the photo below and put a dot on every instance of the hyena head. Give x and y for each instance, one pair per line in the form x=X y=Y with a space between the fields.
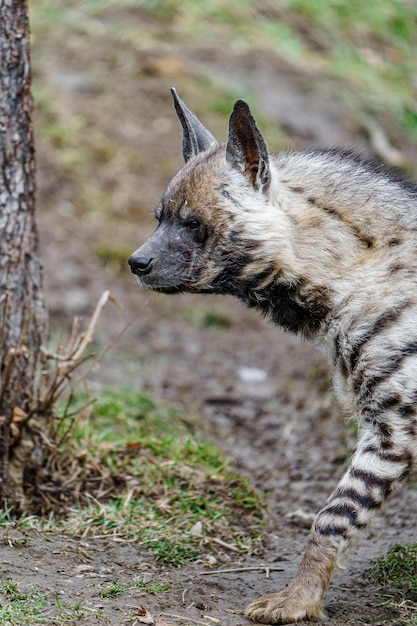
x=204 y=241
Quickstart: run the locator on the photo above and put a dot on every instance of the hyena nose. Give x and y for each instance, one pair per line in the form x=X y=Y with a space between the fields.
x=140 y=265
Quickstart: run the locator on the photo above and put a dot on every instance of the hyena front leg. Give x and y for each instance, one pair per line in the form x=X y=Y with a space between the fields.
x=303 y=597
x=383 y=457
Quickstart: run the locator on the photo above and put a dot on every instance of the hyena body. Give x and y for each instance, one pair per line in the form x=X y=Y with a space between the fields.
x=325 y=244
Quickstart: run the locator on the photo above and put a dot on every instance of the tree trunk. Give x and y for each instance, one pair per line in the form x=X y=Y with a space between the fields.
x=23 y=317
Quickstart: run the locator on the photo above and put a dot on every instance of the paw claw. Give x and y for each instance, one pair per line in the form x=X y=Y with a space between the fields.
x=282 y=608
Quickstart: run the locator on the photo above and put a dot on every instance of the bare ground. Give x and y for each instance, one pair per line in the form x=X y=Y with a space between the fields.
x=263 y=397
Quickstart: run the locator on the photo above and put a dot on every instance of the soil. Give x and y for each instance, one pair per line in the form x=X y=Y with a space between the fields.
x=264 y=397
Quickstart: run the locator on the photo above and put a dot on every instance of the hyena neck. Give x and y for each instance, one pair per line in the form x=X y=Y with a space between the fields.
x=300 y=309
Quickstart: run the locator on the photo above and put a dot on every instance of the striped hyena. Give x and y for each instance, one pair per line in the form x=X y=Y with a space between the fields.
x=324 y=243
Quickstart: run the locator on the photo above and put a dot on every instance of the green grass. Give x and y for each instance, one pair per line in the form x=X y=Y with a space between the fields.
x=367 y=48
x=22 y=609
x=369 y=45
x=173 y=480
x=5 y=517
x=25 y=608
x=143 y=475
x=111 y=590
x=398 y=569
x=395 y=573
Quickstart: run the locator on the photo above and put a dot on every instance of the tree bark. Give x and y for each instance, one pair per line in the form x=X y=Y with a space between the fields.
x=23 y=316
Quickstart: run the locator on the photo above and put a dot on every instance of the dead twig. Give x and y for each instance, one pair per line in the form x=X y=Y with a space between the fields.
x=188 y=619
x=223 y=544
x=71 y=359
x=112 y=343
x=87 y=337
x=233 y=570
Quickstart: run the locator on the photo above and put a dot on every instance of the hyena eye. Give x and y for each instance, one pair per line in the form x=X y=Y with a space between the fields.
x=193 y=224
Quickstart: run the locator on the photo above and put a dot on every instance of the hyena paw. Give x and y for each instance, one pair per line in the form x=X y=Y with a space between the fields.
x=283 y=608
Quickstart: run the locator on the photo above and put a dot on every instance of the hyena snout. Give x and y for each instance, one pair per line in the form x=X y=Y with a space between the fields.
x=140 y=265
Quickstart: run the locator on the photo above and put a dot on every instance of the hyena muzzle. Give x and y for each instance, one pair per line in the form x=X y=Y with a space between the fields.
x=324 y=243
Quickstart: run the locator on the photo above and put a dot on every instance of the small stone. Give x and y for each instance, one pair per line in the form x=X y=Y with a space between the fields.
x=252 y=374
x=197 y=530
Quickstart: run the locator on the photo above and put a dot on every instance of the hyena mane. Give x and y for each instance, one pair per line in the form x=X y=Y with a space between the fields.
x=324 y=243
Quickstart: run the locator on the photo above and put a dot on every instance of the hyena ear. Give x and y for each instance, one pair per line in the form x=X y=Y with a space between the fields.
x=195 y=138
x=246 y=148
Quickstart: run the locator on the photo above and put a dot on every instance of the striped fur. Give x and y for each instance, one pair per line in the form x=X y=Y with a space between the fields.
x=323 y=243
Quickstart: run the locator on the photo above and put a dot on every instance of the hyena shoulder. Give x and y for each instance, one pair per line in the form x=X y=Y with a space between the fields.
x=361 y=186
